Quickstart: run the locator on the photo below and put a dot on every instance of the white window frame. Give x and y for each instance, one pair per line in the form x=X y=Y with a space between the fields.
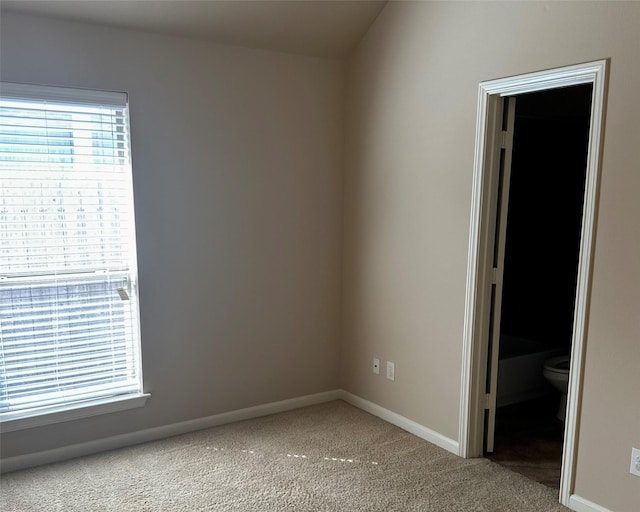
x=11 y=421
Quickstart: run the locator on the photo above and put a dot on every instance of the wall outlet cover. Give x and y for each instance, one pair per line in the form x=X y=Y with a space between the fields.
x=391 y=370
x=635 y=462
x=376 y=366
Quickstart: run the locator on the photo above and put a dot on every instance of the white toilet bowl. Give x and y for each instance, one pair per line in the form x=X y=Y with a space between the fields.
x=556 y=371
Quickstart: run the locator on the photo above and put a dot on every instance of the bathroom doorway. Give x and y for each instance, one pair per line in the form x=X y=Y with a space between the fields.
x=540 y=248
x=493 y=150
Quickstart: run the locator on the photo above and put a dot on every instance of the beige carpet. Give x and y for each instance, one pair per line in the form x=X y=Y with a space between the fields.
x=329 y=457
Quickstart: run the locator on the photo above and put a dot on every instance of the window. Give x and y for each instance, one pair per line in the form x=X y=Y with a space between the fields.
x=69 y=335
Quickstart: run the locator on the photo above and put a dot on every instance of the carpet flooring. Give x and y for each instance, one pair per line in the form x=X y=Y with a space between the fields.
x=328 y=457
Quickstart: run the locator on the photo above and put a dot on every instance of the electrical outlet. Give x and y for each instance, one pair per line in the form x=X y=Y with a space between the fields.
x=376 y=366
x=635 y=462
x=391 y=370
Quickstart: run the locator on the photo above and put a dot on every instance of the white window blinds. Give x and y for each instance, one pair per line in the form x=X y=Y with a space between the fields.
x=68 y=299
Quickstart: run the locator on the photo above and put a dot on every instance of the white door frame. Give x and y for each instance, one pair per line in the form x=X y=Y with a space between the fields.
x=484 y=200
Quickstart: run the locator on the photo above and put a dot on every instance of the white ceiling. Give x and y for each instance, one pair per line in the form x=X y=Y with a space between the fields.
x=322 y=28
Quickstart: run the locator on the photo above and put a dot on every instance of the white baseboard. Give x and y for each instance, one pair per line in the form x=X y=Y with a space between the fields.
x=404 y=423
x=153 y=434
x=580 y=504
x=7 y=465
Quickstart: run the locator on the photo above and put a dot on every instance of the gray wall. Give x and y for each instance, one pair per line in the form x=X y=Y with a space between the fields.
x=237 y=181
x=411 y=122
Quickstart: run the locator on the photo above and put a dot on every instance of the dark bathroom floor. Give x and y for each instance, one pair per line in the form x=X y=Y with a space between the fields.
x=528 y=440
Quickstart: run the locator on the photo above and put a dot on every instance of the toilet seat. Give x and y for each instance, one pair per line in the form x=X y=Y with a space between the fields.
x=558 y=364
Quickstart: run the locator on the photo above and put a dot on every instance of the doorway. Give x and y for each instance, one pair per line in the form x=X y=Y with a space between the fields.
x=540 y=252
x=478 y=392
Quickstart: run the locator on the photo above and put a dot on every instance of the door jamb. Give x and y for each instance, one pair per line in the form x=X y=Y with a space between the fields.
x=475 y=334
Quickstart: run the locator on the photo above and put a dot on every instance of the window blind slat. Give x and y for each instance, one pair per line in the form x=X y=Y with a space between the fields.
x=68 y=376
x=79 y=393
x=42 y=356
x=70 y=371
x=21 y=323
x=43 y=400
x=66 y=246
x=45 y=335
x=112 y=121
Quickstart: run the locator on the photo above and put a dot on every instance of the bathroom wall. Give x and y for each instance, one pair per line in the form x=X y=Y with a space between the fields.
x=544 y=222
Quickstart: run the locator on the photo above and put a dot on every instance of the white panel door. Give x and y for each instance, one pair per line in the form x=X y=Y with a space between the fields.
x=504 y=178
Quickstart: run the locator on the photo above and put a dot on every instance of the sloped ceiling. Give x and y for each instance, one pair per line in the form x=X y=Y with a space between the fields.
x=321 y=28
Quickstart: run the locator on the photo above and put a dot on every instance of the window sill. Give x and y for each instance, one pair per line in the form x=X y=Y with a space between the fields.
x=73 y=412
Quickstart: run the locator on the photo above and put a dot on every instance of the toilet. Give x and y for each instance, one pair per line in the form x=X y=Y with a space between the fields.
x=556 y=371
